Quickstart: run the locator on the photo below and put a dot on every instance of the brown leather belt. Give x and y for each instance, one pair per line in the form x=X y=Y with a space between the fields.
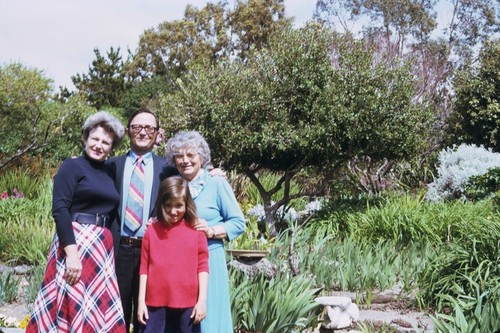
x=131 y=241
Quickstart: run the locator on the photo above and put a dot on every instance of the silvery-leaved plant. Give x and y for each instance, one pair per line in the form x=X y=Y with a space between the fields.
x=456 y=166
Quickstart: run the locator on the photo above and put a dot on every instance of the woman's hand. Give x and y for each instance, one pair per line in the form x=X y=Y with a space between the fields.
x=142 y=313
x=202 y=225
x=73 y=264
x=217 y=172
x=199 y=312
x=151 y=220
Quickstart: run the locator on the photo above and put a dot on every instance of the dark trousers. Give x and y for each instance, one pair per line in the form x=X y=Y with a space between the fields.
x=168 y=320
x=127 y=273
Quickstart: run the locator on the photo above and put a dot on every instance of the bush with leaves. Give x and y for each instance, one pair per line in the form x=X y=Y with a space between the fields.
x=18 y=220
x=476 y=116
x=33 y=121
x=484 y=186
x=456 y=167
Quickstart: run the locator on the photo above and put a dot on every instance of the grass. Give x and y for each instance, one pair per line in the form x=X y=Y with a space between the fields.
x=34 y=282
x=29 y=222
x=344 y=264
x=8 y=288
x=281 y=304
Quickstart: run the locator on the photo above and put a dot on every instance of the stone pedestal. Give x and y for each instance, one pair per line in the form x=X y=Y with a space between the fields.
x=338 y=312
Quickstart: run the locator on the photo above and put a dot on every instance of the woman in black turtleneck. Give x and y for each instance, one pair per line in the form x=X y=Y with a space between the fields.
x=79 y=291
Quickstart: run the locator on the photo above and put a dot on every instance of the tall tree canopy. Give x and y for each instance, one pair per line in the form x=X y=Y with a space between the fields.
x=31 y=119
x=208 y=34
x=105 y=83
x=408 y=29
x=287 y=107
x=477 y=102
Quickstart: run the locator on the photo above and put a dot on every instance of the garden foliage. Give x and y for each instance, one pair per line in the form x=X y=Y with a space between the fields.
x=33 y=121
x=484 y=186
x=27 y=225
x=281 y=304
x=290 y=107
x=456 y=166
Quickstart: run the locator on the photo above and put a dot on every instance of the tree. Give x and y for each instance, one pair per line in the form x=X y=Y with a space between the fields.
x=208 y=34
x=31 y=120
x=402 y=31
x=105 y=83
x=476 y=119
x=287 y=108
x=140 y=93
x=399 y=22
x=473 y=22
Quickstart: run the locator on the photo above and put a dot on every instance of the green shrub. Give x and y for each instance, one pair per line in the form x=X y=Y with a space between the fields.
x=479 y=312
x=475 y=256
x=29 y=222
x=34 y=282
x=22 y=181
x=405 y=219
x=282 y=304
x=344 y=264
x=484 y=186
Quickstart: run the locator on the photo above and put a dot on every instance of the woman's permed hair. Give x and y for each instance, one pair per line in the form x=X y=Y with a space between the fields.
x=175 y=187
x=188 y=140
x=107 y=121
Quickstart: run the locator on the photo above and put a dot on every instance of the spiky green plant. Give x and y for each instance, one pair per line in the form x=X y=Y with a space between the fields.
x=30 y=223
x=281 y=304
x=8 y=288
x=471 y=313
x=475 y=255
x=34 y=282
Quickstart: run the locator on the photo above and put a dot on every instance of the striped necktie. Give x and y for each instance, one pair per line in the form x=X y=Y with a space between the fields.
x=135 y=200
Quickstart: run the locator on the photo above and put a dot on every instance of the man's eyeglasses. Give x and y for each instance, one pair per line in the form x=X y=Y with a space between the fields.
x=136 y=129
x=189 y=156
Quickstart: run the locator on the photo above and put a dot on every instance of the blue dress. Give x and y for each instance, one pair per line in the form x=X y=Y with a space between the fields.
x=216 y=203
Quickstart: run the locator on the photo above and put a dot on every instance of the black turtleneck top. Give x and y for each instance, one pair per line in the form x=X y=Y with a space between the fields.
x=81 y=185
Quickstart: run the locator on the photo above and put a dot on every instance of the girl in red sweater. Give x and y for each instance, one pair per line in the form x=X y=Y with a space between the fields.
x=174 y=265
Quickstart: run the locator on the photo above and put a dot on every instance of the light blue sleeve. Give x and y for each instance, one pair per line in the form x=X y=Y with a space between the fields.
x=232 y=216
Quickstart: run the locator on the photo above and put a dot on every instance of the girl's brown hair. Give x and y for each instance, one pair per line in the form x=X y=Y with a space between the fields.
x=175 y=187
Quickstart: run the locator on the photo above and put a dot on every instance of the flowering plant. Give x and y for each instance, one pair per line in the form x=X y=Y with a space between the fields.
x=15 y=195
x=252 y=238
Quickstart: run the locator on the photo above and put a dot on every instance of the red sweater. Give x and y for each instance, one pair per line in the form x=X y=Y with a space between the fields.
x=172 y=257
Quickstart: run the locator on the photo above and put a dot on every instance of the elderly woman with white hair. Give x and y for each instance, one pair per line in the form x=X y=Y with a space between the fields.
x=79 y=292
x=219 y=217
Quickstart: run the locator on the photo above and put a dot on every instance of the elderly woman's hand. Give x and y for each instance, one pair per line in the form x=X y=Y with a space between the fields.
x=151 y=220
x=217 y=172
x=202 y=225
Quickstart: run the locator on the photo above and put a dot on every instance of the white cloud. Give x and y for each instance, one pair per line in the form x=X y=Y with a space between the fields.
x=58 y=36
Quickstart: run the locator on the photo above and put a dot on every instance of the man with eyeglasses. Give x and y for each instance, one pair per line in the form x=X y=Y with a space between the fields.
x=137 y=176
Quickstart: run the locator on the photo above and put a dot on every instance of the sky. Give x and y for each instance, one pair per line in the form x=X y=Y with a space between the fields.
x=59 y=36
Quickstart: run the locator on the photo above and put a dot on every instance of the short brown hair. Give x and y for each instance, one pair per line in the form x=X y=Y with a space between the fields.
x=143 y=110
x=175 y=187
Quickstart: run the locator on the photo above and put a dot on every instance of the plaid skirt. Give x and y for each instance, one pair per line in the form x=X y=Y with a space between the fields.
x=91 y=305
